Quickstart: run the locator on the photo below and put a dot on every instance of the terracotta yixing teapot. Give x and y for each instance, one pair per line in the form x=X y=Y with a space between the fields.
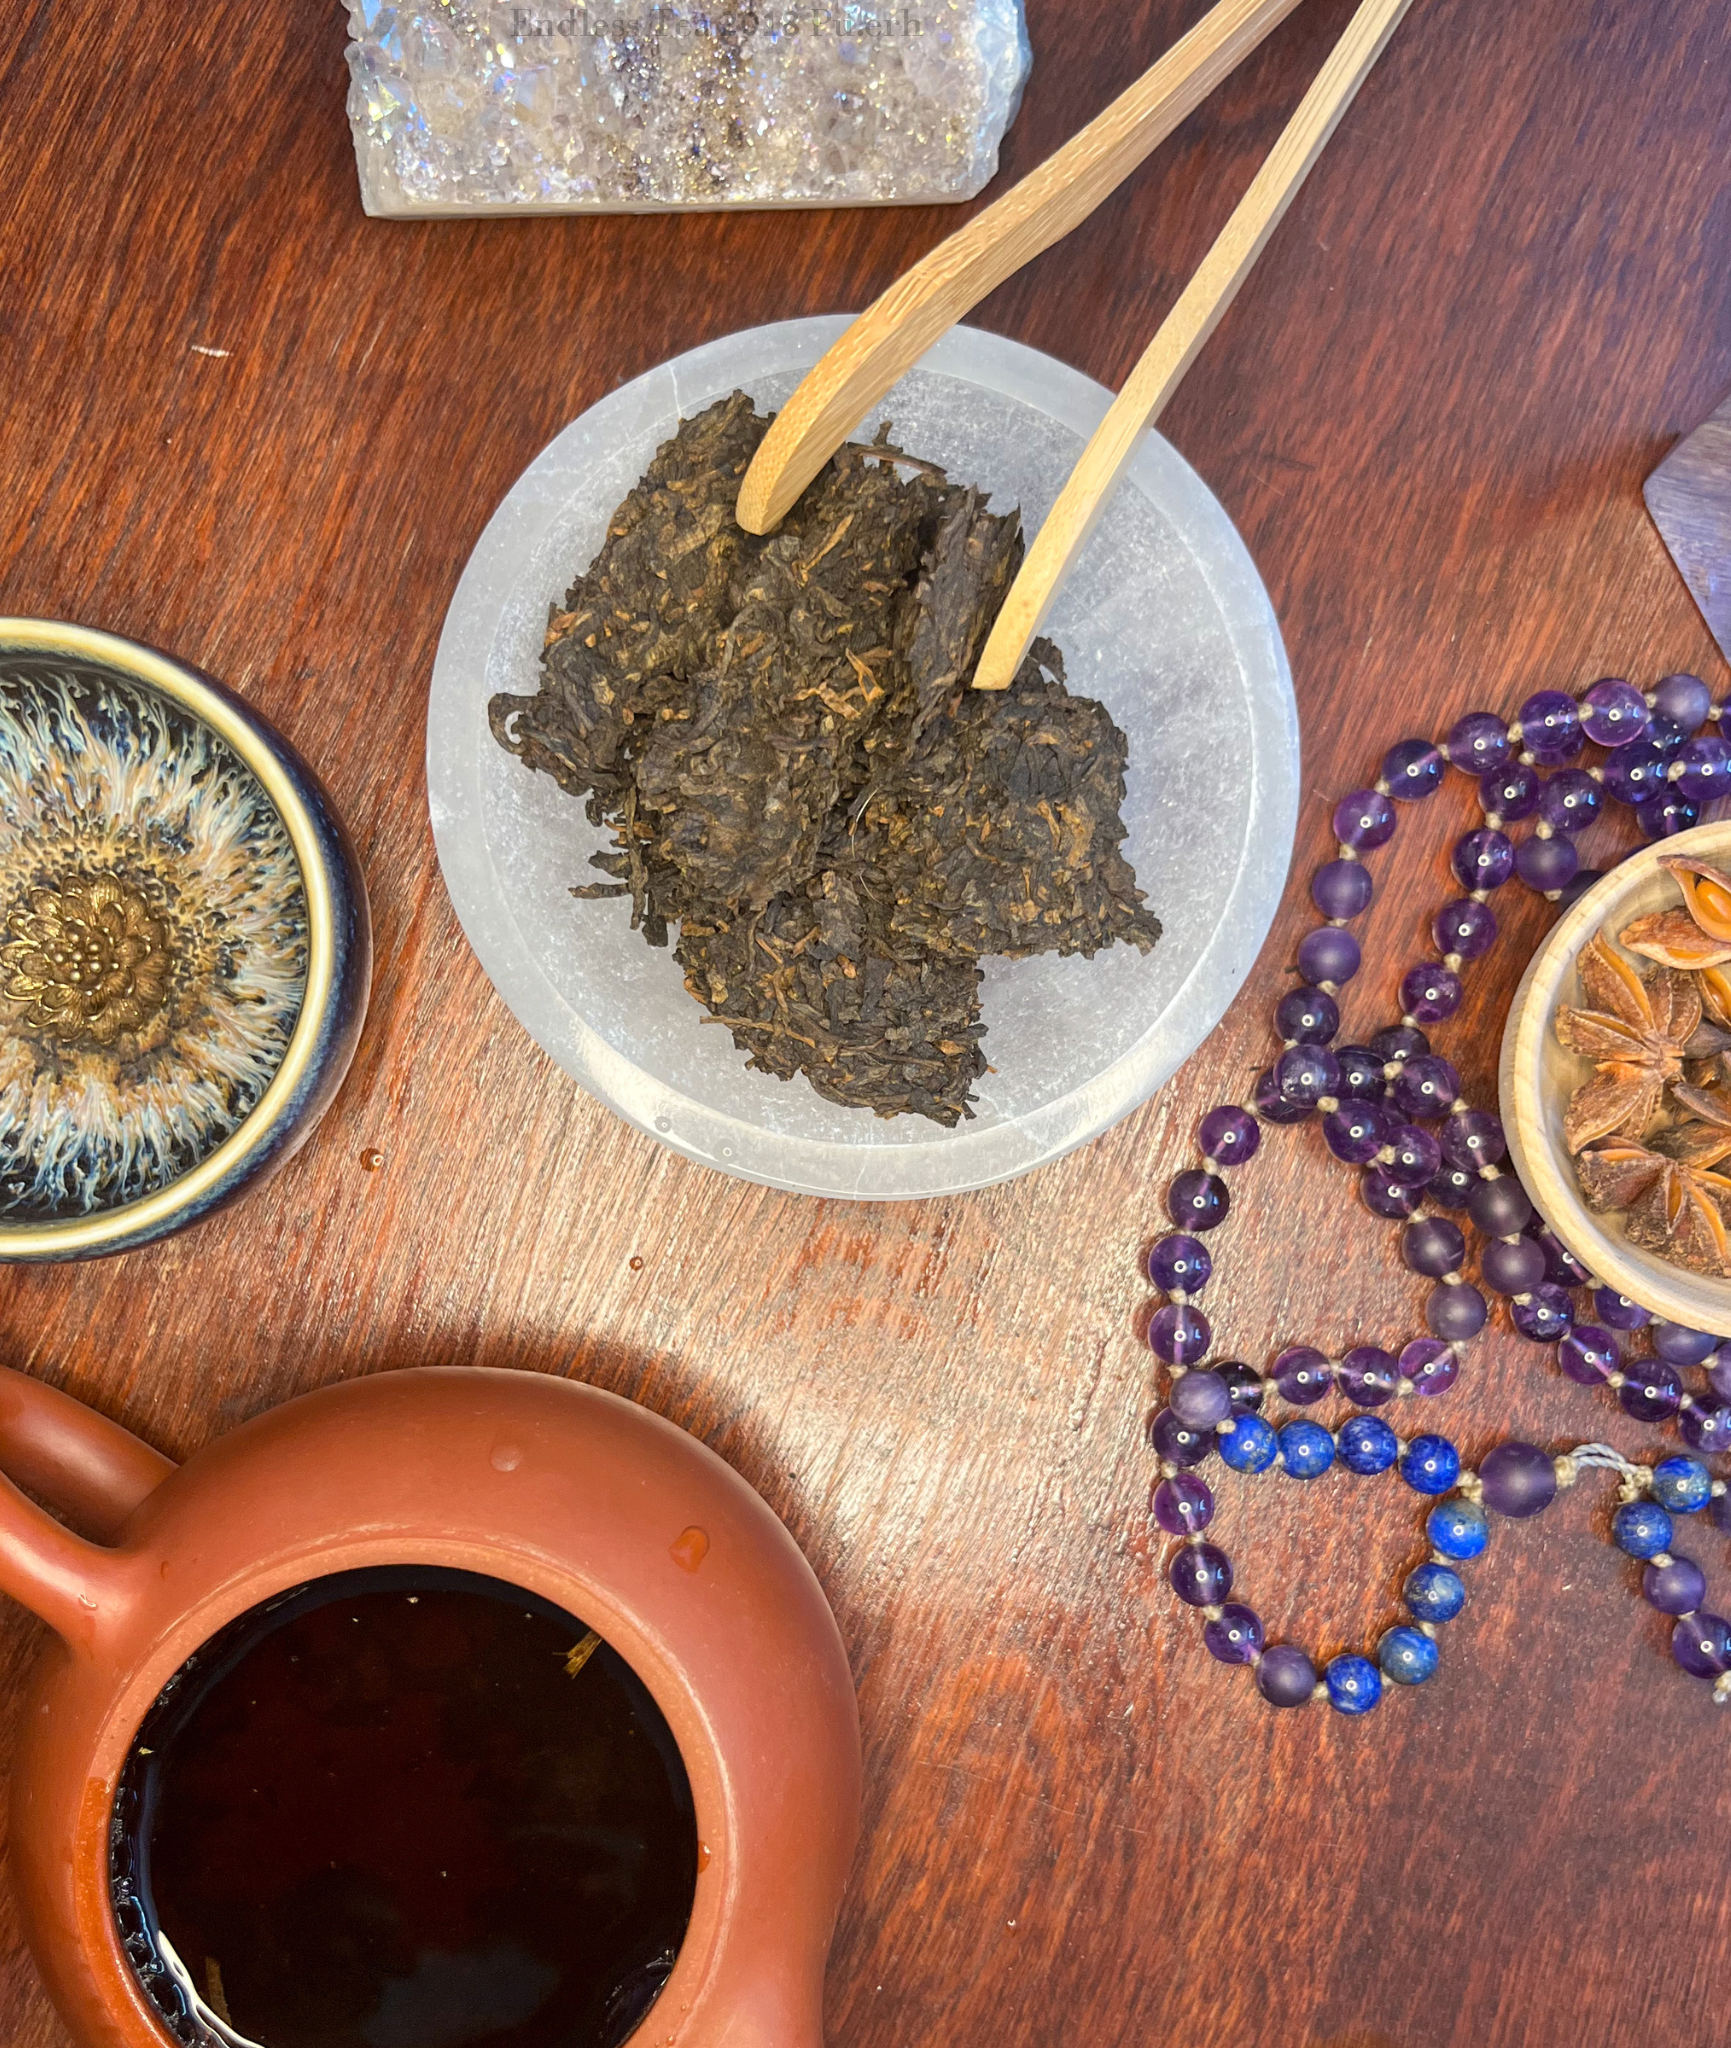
x=573 y=1495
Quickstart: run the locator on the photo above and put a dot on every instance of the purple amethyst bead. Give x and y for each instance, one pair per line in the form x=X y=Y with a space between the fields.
x=1546 y=864
x=1719 y=1512
x=1635 y=772
x=1684 y=699
x=1701 y=1643
x=1229 y=1134
x=1197 y=1200
x=1512 y=1266
x=1179 y=1261
x=1562 y=1268
x=1244 y=1388
x=1518 y=1480
x=1360 y=1074
x=1304 y=1074
x=1455 y=1313
x=1433 y=1246
x=1329 y=955
x=1235 y=1634
x=1683 y=1346
x=1180 y=1335
x=1302 y=1375
x=1271 y=1105
x=1653 y=1390
x=1425 y=1086
x=1342 y=888
x=1571 y=800
x=1719 y=1371
x=1200 y=1400
x=1307 y=1016
x=1364 y=820
x=1201 y=1575
x=1665 y=815
x=1355 y=1131
x=1368 y=1375
x=1466 y=928
x=1589 y=1354
x=1706 y=765
x=1384 y=1196
x=1412 y=769
x=1430 y=992
x=1573 y=891
x=1178 y=1444
x=1473 y=1138
x=1500 y=1207
x=1675 y=1588
x=1618 y=1312
x=1483 y=860
x=1480 y=742
x=1612 y=712
x=1285 y=1677
x=1545 y=1315
x=1399 y=1042
x=1183 y=1505
x=1551 y=726
x=1431 y=1366
x=1669 y=738
x=1705 y=1425
x=1417 y=1155
x=1449 y=1187
x=1511 y=794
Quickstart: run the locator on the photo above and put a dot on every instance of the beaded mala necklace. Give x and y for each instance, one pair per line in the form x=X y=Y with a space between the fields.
x=1377 y=1103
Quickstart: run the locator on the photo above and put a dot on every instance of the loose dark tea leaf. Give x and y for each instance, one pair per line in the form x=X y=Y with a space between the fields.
x=780 y=736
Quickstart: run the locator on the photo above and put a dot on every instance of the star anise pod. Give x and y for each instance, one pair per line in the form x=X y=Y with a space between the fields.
x=1635 y=1033
x=1672 y=1201
x=1699 y=935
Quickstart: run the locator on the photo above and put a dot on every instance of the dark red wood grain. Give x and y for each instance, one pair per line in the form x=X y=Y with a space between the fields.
x=1502 y=295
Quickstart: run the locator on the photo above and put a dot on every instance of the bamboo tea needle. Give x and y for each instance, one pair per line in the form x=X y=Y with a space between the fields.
x=891 y=335
x=1175 y=347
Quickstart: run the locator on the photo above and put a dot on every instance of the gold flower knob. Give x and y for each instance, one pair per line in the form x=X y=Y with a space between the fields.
x=87 y=959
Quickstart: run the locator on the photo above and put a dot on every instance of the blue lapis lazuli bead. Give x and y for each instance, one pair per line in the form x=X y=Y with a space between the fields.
x=1434 y=1592
x=1407 y=1656
x=1684 y=1485
x=1368 y=1445
x=1458 y=1529
x=1306 y=1449
x=1354 y=1685
x=1250 y=1445
x=1431 y=1465
x=1641 y=1528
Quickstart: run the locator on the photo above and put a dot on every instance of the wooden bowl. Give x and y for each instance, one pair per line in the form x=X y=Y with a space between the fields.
x=1537 y=1076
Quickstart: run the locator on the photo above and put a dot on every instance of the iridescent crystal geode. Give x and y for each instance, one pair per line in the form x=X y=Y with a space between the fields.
x=495 y=106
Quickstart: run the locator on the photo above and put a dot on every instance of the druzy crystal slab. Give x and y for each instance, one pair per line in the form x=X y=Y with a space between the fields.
x=491 y=106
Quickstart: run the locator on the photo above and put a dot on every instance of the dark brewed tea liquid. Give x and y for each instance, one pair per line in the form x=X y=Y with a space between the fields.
x=404 y=1809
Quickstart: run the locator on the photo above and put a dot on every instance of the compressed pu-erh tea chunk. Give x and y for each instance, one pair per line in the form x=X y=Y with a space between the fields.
x=780 y=736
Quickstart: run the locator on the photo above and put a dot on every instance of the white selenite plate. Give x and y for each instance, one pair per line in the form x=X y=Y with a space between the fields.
x=1163 y=618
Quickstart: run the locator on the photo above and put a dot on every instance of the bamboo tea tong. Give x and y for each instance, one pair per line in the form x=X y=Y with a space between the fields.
x=891 y=335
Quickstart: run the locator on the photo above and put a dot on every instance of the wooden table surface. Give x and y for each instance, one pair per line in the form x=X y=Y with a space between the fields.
x=1504 y=293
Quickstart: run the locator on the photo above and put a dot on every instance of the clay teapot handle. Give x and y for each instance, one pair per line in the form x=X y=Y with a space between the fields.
x=87 y=1466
